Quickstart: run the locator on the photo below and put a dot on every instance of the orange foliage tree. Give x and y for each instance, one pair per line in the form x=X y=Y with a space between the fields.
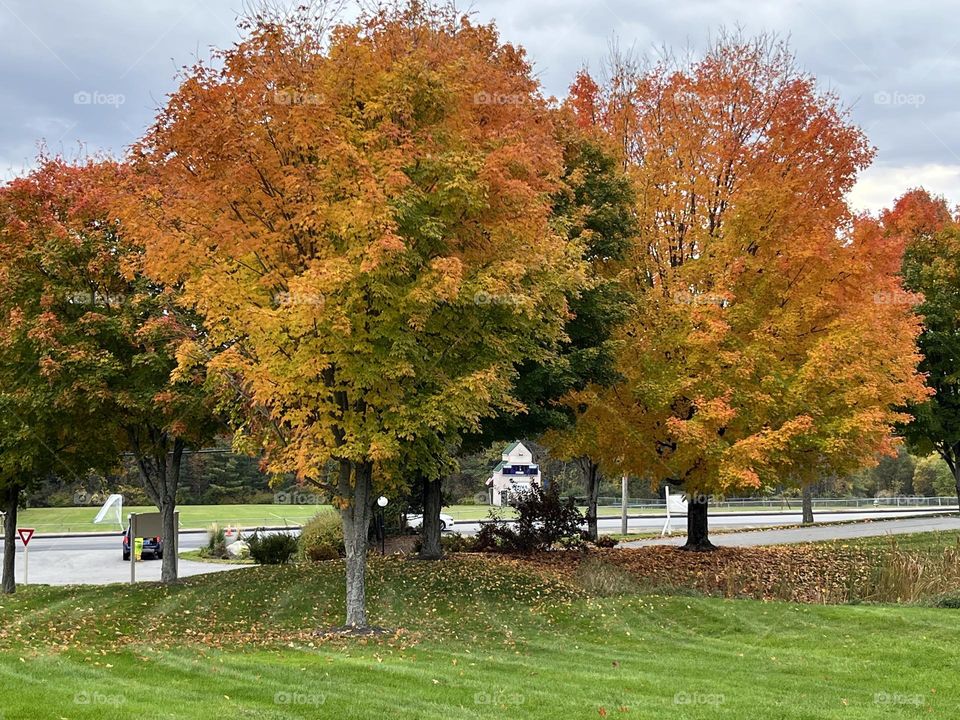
x=363 y=219
x=757 y=351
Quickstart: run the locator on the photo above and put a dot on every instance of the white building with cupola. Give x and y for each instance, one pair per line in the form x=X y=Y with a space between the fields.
x=516 y=473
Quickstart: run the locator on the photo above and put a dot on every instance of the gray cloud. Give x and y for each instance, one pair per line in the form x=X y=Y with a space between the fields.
x=95 y=72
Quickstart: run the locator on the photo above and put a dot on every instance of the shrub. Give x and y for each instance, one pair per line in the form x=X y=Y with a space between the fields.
x=455 y=542
x=606 y=541
x=544 y=520
x=950 y=601
x=134 y=495
x=216 y=543
x=322 y=537
x=489 y=537
x=63 y=498
x=273 y=549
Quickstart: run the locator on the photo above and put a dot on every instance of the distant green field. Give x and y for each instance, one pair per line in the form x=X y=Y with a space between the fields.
x=80 y=519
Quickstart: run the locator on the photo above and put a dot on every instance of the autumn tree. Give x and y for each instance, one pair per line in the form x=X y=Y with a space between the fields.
x=931 y=267
x=756 y=352
x=363 y=221
x=48 y=378
x=108 y=330
x=43 y=432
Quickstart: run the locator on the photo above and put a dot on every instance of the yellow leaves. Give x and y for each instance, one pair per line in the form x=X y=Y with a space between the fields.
x=382 y=449
x=441 y=282
x=449 y=272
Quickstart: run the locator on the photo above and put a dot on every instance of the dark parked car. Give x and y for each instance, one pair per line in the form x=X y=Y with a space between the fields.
x=152 y=547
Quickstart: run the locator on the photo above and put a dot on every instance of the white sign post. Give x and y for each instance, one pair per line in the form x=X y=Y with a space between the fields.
x=25 y=535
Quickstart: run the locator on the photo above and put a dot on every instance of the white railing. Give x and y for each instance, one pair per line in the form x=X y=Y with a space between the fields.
x=793 y=503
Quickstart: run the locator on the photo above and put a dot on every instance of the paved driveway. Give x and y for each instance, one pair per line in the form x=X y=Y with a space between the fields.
x=96 y=560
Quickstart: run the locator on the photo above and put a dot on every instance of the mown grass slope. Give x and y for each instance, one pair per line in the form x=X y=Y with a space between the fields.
x=474 y=637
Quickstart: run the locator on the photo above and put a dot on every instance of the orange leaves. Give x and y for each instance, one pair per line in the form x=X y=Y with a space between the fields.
x=584 y=98
x=382 y=250
x=758 y=351
x=916 y=213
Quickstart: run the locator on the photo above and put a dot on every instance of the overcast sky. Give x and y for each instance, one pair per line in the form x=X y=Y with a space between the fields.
x=90 y=75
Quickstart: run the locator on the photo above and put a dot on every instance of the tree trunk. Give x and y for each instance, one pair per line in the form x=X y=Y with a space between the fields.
x=956 y=482
x=356 y=527
x=430 y=548
x=807 y=493
x=11 y=498
x=591 y=472
x=159 y=467
x=698 y=538
x=168 y=509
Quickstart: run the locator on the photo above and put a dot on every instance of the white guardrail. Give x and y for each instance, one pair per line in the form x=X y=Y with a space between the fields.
x=794 y=503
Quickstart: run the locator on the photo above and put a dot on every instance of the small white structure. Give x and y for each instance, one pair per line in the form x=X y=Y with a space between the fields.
x=676 y=505
x=516 y=473
x=116 y=502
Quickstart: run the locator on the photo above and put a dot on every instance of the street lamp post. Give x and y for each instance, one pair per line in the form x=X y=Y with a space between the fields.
x=382 y=503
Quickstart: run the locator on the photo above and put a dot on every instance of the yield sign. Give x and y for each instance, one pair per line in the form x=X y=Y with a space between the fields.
x=25 y=535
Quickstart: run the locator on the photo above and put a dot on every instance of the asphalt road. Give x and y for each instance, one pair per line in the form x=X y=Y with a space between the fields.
x=729 y=521
x=97 y=559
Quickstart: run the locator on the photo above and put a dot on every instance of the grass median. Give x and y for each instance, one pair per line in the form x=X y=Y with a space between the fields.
x=473 y=637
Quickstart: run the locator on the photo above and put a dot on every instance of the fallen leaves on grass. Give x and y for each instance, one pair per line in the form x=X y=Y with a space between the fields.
x=461 y=597
x=806 y=573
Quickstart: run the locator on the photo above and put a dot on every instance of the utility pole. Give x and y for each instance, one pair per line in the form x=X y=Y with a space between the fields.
x=624 y=498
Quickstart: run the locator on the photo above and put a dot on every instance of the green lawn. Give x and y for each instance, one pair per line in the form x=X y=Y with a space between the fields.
x=921 y=543
x=80 y=519
x=479 y=638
